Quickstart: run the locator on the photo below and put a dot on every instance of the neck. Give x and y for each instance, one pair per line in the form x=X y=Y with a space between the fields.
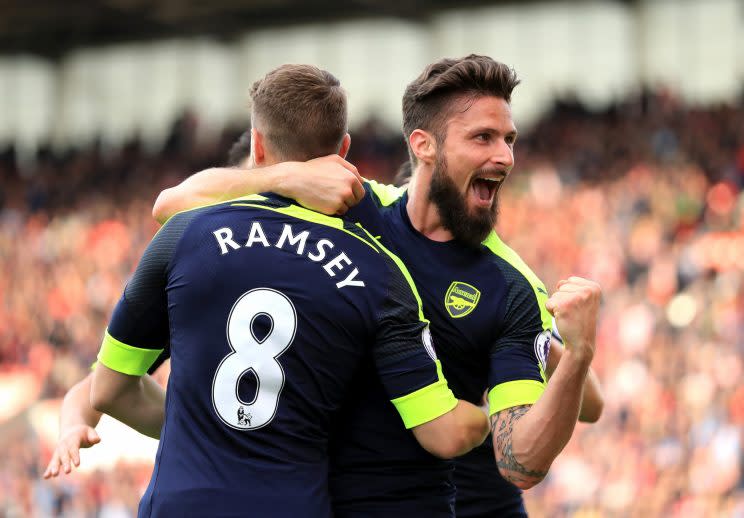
x=424 y=214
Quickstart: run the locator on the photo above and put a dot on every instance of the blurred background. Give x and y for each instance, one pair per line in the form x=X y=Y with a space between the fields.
x=630 y=167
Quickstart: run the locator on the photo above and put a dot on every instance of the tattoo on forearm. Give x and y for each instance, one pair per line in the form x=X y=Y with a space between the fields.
x=502 y=425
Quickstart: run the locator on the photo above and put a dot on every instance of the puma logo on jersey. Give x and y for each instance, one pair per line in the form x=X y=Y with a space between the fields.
x=461 y=299
x=296 y=243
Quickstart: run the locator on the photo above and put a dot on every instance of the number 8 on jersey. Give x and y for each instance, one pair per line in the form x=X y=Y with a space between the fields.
x=250 y=354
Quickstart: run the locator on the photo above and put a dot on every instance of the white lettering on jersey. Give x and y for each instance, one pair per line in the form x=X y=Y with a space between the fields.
x=224 y=237
x=336 y=263
x=349 y=281
x=321 y=250
x=256 y=235
x=287 y=235
x=340 y=264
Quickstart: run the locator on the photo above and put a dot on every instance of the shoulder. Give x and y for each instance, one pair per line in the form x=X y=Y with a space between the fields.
x=521 y=281
x=384 y=195
x=508 y=259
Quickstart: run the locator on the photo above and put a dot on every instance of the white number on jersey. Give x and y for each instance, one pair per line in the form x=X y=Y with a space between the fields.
x=250 y=354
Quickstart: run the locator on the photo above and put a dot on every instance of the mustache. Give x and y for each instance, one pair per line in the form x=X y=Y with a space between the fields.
x=486 y=171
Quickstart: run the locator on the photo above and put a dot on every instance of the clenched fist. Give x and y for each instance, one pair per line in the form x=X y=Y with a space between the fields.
x=575 y=306
x=329 y=185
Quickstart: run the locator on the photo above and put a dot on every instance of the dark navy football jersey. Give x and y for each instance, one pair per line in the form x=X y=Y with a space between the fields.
x=270 y=310
x=492 y=332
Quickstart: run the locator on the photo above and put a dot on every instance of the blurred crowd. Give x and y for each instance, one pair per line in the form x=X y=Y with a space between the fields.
x=644 y=197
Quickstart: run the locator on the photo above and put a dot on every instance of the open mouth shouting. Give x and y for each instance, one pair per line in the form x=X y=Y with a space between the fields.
x=483 y=189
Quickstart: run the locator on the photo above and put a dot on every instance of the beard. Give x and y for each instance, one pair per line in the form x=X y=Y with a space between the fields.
x=469 y=228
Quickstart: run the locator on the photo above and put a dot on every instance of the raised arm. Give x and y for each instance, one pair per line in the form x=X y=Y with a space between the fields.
x=592 y=402
x=329 y=184
x=77 y=423
x=528 y=438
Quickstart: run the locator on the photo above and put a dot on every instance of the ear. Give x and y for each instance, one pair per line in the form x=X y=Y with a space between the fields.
x=258 y=150
x=424 y=146
x=345 y=145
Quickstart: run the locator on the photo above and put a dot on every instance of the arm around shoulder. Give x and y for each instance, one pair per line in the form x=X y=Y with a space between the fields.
x=213 y=186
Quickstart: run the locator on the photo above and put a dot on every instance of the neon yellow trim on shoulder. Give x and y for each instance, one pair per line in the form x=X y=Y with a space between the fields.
x=426 y=404
x=247 y=197
x=124 y=358
x=494 y=243
x=514 y=393
x=403 y=270
x=310 y=215
x=254 y=197
x=386 y=193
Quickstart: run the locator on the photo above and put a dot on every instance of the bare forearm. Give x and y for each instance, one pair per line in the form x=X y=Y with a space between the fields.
x=138 y=402
x=140 y=409
x=454 y=433
x=475 y=428
x=527 y=439
x=592 y=402
x=76 y=408
x=215 y=185
x=329 y=185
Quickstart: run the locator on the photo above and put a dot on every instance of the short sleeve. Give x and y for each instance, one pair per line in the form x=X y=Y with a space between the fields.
x=518 y=356
x=404 y=353
x=138 y=330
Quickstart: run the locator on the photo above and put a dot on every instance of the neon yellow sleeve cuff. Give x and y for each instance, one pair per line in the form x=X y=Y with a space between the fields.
x=124 y=358
x=426 y=404
x=514 y=393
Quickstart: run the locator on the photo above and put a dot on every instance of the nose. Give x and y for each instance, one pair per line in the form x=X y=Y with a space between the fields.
x=503 y=154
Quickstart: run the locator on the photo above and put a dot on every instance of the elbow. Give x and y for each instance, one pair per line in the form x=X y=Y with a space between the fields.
x=522 y=483
x=593 y=412
x=447 y=449
x=520 y=476
x=522 y=470
x=457 y=443
x=591 y=416
x=99 y=402
x=160 y=209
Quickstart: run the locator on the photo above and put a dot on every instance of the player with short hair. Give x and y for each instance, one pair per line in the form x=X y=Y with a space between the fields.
x=491 y=316
x=271 y=311
x=482 y=491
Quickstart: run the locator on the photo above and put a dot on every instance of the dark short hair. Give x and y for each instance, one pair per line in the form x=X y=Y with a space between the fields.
x=300 y=110
x=240 y=150
x=428 y=100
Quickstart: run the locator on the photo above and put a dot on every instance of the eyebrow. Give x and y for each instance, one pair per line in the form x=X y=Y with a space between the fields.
x=486 y=129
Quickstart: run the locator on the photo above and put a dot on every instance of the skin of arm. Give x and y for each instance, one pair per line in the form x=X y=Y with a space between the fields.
x=137 y=401
x=592 y=403
x=329 y=185
x=528 y=438
x=77 y=422
x=454 y=433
